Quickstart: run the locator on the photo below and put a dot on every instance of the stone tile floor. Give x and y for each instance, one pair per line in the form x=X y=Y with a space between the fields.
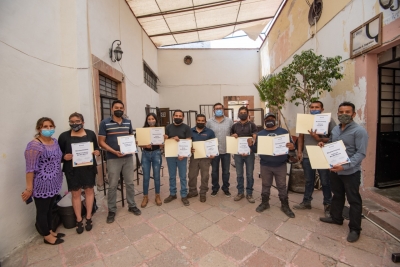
x=219 y=232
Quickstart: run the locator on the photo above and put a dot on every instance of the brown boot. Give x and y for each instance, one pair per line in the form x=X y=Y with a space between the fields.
x=145 y=201
x=158 y=200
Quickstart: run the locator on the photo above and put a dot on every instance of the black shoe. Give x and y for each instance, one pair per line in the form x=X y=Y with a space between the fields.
x=79 y=227
x=135 y=211
x=185 y=201
x=110 y=217
x=89 y=224
x=227 y=193
x=263 y=206
x=203 y=198
x=353 y=236
x=59 y=235
x=303 y=206
x=58 y=241
x=214 y=193
x=329 y=220
x=286 y=209
x=192 y=194
x=169 y=198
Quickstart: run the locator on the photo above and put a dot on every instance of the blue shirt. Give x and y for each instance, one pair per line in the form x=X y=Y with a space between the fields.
x=355 y=139
x=204 y=135
x=111 y=130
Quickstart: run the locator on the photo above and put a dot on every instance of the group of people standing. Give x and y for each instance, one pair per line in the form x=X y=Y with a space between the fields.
x=44 y=174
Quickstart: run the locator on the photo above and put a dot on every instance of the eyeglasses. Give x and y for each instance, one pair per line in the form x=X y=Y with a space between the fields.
x=75 y=122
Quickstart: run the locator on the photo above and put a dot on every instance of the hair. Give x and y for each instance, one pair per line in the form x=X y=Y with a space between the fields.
x=76 y=114
x=201 y=116
x=218 y=104
x=117 y=102
x=243 y=108
x=40 y=122
x=322 y=104
x=178 y=110
x=146 y=124
x=348 y=104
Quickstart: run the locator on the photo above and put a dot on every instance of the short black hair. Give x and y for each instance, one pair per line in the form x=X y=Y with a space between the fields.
x=201 y=116
x=117 y=102
x=178 y=110
x=348 y=104
x=218 y=104
x=317 y=101
x=78 y=115
x=146 y=124
x=243 y=108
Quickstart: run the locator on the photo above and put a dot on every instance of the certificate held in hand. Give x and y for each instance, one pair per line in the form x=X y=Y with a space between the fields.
x=184 y=148
x=127 y=144
x=328 y=156
x=150 y=136
x=205 y=149
x=318 y=123
x=82 y=154
x=273 y=145
x=237 y=145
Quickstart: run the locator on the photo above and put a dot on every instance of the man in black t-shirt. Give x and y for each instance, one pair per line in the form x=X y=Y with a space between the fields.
x=177 y=130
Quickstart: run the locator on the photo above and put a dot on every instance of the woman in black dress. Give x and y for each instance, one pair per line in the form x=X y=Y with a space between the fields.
x=82 y=177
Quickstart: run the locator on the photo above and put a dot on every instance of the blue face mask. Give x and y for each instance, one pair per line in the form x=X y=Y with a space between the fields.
x=315 y=111
x=219 y=113
x=48 y=133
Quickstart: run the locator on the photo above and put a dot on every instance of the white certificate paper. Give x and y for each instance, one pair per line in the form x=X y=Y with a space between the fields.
x=243 y=147
x=127 y=144
x=82 y=154
x=184 y=148
x=321 y=123
x=335 y=154
x=211 y=147
x=157 y=136
x=279 y=145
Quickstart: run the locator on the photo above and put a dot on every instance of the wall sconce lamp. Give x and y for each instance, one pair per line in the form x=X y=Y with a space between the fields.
x=117 y=52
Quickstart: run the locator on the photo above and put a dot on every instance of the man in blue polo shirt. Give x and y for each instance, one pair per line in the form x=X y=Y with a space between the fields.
x=200 y=133
x=117 y=162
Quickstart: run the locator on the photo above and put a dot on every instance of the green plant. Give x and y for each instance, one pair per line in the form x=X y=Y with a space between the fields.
x=309 y=75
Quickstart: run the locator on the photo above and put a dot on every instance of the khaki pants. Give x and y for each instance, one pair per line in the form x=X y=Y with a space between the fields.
x=196 y=165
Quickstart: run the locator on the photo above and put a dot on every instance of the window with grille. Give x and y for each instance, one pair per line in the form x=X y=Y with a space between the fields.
x=149 y=77
x=108 y=93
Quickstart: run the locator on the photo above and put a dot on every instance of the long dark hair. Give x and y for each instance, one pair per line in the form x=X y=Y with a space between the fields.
x=146 y=124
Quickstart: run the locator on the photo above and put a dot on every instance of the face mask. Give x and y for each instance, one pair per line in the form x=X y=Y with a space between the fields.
x=315 y=111
x=76 y=127
x=151 y=123
x=269 y=124
x=243 y=117
x=219 y=113
x=118 y=113
x=178 y=120
x=345 y=118
x=200 y=125
x=47 y=133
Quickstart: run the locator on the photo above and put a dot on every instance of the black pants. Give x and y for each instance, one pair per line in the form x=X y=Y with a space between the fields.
x=43 y=214
x=346 y=186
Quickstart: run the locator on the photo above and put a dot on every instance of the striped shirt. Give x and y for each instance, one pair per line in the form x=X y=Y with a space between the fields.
x=111 y=130
x=222 y=130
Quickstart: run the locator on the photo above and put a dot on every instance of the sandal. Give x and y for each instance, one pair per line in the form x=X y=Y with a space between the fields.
x=89 y=224
x=79 y=227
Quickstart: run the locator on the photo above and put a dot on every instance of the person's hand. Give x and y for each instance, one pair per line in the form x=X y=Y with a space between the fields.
x=192 y=150
x=321 y=144
x=180 y=157
x=148 y=146
x=299 y=155
x=137 y=142
x=118 y=154
x=96 y=153
x=235 y=135
x=67 y=156
x=314 y=135
x=211 y=156
x=250 y=141
x=176 y=138
x=165 y=137
x=244 y=155
x=336 y=168
x=290 y=146
x=26 y=194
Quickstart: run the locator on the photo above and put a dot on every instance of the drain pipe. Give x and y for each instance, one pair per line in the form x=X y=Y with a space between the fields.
x=380 y=227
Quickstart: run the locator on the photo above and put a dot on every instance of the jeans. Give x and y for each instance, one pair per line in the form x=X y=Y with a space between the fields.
x=347 y=186
x=151 y=158
x=240 y=161
x=44 y=207
x=114 y=169
x=225 y=163
x=309 y=174
x=267 y=175
x=196 y=165
x=173 y=163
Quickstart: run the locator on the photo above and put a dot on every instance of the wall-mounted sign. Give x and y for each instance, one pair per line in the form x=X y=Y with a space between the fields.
x=366 y=37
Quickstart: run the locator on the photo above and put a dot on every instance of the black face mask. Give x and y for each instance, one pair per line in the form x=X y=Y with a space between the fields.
x=243 y=116
x=269 y=124
x=200 y=125
x=178 y=120
x=118 y=113
x=76 y=127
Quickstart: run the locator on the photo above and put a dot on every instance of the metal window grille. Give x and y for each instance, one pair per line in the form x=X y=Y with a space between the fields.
x=149 y=77
x=108 y=93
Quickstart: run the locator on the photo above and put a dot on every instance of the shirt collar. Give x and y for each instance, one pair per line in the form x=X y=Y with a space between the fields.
x=194 y=130
x=347 y=125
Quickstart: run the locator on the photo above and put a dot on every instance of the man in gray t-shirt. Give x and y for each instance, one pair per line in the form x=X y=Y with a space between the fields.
x=313 y=139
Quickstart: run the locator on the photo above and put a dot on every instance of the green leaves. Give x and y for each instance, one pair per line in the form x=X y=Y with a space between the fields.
x=272 y=89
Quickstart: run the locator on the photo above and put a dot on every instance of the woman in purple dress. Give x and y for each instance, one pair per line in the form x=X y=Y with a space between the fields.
x=44 y=177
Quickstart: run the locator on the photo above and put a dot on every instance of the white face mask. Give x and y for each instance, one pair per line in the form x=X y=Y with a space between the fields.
x=151 y=123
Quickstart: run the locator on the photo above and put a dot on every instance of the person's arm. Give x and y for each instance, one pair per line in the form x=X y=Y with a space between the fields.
x=361 y=140
x=300 y=146
x=233 y=132
x=96 y=148
x=253 y=144
x=32 y=153
x=102 y=141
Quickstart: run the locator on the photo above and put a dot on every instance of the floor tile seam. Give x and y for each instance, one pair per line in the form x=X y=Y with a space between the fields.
x=142 y=220
x=188 y=258
x=104 y=255
x=218 y=249
x=143 y=237
x=144 y=259
x=166 y=238
x=290 y=241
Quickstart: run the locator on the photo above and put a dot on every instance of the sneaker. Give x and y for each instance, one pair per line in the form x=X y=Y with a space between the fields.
x=250 y=198
x=238 y=197
x=169 y=198
x=110 y=217
x=202 y=198
x=263 y=206
x=227 y=194
x=214 y=193
x=192 y=194
x=185 y=201
x=353 y=236
x=303 y=206
x=135 y=211
x=327 y=210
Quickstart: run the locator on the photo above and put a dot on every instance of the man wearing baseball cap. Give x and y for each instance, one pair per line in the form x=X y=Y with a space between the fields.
x=273 y=166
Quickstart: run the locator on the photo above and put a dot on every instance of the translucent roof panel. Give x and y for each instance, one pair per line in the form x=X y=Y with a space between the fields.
x=169 y=22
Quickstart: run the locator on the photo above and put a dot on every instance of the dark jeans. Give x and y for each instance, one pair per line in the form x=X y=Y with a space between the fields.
x=240 y=161
x=267 y=175
x=44 y=207
x=225 y=163
x=309 y=175
x=151 y=158
x=346 y=186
